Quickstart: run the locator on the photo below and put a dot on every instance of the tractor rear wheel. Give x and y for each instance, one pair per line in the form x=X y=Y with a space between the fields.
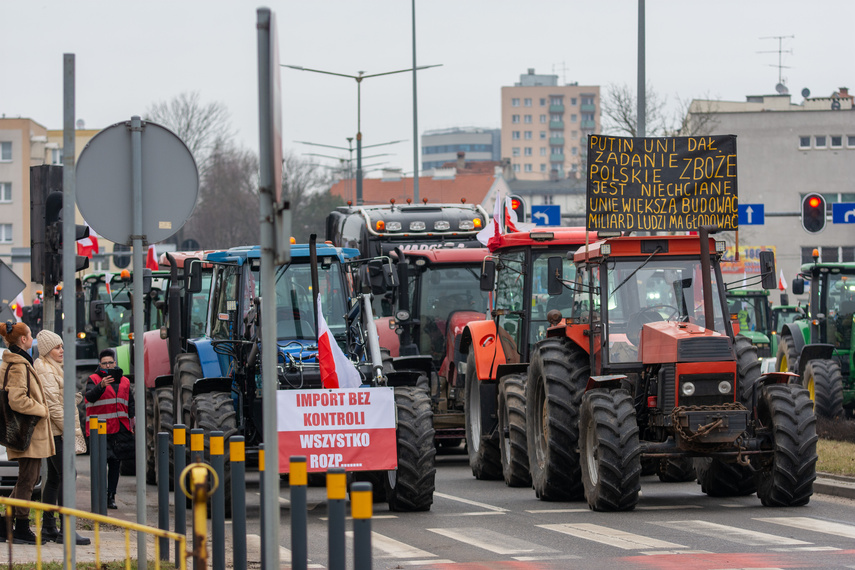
x=215 y=411
x=824 y=384
x=557 y=377
x=610 y=451
x=787 y=357
x=150 y=440
x=163 y=416
x=411 y=487
x=678 y=470
x=484 y=457
x=512 y=441
x=188 y=369
x=786 y=480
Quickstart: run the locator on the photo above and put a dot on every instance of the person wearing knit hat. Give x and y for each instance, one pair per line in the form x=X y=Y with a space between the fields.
x=49 y=368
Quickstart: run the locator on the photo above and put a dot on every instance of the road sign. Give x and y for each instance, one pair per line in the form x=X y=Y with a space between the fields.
x=843 y=213
x=752 y=214
x=10 y=284
x=170 y=183
x=546 y=215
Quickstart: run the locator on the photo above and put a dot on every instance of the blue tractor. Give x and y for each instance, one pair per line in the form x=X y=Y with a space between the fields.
x=218 y=380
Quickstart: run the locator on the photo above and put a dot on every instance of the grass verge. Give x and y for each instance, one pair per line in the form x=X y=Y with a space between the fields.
x=837 y=457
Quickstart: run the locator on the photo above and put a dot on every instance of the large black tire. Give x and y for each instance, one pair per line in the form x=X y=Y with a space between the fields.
x=188 y=369
x=215 y=411
x=164 y=421
x=378 y=483
x=824 y=384
x=747 y=369
x=411 y=487
x=678 y=470
x=484 y=457
x=786 y=480
x=512 y=440
x=558 y=374
x=787 y=359
x=609 y=450
x=150 y=440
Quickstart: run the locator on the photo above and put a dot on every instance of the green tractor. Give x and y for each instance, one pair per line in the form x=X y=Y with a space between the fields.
x=783 y=314
x=819 y=348
x=754 y=315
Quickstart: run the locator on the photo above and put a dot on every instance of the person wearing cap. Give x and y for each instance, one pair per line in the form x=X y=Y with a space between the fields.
x=108 y=395
x=49 y=368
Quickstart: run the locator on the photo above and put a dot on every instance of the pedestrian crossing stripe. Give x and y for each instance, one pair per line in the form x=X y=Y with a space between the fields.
x=392 y=548
x=733 y=534
x=492 y=541
x=816 y=525
x=611 y=536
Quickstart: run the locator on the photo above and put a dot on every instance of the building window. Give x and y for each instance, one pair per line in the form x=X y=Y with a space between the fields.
x=515 y=118
x=528 y=151
x=5 y=192
x=543 y=167
x=528 y=135
x=572 y=100
x=515 y=102
x=850 y=141
x=5 y=233
x=829 y=254
x=543 y=135
x=572 y=118
x=548 y=198
x=555 y=100
x=527 y=118
x=543 y=102
x=6 y=151
x=847 y=254
x=543 y=118
x=543 y=151
x=804 y=142
x=836 y=141
x=557 y=150
x=555 y=117
x=587 y=100
x=515 y=151
x=516 y=168
x=56 y=156
x=819 y=141
x=528 y=168
x=574 y=151
x=527 y=101
x=515 y=135
x=807 y=255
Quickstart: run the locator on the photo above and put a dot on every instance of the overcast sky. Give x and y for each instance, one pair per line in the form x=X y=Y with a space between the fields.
x=132 y=54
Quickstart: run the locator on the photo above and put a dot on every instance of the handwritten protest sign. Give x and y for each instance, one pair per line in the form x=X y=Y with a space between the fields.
x=661 y=184
x=349 y=428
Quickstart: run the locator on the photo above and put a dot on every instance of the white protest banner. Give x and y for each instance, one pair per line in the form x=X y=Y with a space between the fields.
x=350 y=428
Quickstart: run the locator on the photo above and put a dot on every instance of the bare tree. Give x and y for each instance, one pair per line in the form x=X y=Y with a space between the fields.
x=306 y=186
x=620 y=112
x=696 y=117
x=227 y=214
x=200 y=126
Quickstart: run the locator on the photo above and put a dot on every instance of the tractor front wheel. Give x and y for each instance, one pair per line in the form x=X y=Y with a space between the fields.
x=215 y=411
x=512 y=442
x=824 y=384
x=411 y=487
x=484 y=457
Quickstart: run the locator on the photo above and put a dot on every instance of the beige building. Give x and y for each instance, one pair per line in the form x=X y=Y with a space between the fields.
x=544 y=126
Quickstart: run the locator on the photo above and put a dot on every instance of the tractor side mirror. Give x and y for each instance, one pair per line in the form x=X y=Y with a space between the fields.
x=798 y=286
x=767 y=270
x=146 y=281
x=194 y=275
x=390 y=279
x=555 y=270
x=488 y=275
x=97 y=313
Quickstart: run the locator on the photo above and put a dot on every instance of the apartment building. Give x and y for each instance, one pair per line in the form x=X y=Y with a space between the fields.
x=444 y=145
x=545 y=125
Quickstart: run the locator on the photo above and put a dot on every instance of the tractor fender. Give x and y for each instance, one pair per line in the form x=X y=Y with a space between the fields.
x=208 y=385
x=778 y=378
x=480 y=337
x=155 y=357
x=164 y=381
x=814 y=352
x=208 y=359
x=455 y=325
x=387 y=336
x=797 y=333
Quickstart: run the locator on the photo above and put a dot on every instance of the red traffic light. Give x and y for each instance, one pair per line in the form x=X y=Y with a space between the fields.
x=515 y=204
x=813 y=213
x=814 y=201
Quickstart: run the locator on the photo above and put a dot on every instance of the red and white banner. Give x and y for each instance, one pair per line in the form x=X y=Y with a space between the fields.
x=349 y=428
x=88 y=245
x=151 y=259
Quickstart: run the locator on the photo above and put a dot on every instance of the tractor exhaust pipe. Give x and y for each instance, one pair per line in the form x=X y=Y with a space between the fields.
x=704 y=232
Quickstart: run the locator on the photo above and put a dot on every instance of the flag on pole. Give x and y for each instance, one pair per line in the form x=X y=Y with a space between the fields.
x=510 y=216
x=88 y=245
x=337 y=371
x=151 y=258
x=782 y=283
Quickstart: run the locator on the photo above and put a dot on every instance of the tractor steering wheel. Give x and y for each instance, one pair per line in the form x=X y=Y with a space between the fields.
x=647 y=315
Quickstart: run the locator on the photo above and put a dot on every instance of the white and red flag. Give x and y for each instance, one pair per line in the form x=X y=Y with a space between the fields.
x=88 y=245
x=782 y=283
x=337 y=371
x=504 y=218
x=151 y=258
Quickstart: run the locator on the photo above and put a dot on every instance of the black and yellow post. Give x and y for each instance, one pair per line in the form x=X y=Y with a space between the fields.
x=237 y=454
x=179 y=459
x=199 y=482
x=261 y=496
x=197 y=445
x=163 y=490
x=95 y=490
x=218 y=502
x=361 y=511
x=102 y=465
x=336 y=498
x=298 y=479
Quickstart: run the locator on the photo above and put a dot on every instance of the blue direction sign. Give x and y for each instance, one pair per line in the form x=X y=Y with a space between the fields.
x=546 y=215
x=843 y=213
x=752 y=214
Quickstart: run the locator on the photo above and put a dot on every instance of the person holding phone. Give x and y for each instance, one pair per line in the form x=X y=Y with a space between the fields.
x=108 y=395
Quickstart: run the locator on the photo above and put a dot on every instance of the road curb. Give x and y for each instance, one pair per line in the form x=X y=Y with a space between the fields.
x=835 y=485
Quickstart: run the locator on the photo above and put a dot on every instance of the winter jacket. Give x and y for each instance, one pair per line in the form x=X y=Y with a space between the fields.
x=41 y=445
x=53 y=381
x=113 y=402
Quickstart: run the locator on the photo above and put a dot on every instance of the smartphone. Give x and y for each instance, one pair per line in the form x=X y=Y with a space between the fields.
x=116 y=373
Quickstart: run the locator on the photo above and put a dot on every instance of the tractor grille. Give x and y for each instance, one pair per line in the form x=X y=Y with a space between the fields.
x=667 y=387
x=706 y=389
x=703 y=349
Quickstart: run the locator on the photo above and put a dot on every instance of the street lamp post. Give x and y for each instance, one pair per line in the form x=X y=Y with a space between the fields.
x=359 y=77
x=349 y=149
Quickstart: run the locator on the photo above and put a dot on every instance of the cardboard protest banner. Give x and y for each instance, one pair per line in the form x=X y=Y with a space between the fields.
x=349 y=428
x=661 y=184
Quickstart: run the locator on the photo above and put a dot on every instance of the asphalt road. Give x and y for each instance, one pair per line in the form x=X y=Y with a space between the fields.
x=484 y=524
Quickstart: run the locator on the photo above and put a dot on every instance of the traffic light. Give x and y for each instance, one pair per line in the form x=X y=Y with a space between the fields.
x=53 y=240
x=813 y=213
x=44 y=179
x=518 y=206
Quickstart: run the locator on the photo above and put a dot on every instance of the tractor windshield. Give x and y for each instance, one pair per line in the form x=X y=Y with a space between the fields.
x=752 y=312
x=839 y=296
x=666 y=288
x=294 y=309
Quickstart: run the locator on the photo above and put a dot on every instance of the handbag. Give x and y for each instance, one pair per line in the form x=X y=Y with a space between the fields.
x=79 y=443
x=16 y=429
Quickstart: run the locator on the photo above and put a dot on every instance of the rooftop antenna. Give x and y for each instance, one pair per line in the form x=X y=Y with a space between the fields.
x=563 y=69
x=780 y=51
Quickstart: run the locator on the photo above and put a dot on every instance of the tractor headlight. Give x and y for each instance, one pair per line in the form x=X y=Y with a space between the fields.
x=725 y=387
x=687 y=388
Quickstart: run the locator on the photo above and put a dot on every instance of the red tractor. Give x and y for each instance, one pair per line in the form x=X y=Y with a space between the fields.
x=647 y=366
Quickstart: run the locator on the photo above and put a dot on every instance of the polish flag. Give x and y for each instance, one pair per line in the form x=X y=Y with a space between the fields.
x=491 y=235
x=782 y=283
x=88 y=245
x=337 y=371
x=510 y=216
x=151 y=258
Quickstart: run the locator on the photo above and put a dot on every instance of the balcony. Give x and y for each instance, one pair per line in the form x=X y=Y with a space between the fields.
x=556 y=125
x=556 y=141
x=556 y=108
x=588 y=108
x=588 y=124
x=556 y=158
